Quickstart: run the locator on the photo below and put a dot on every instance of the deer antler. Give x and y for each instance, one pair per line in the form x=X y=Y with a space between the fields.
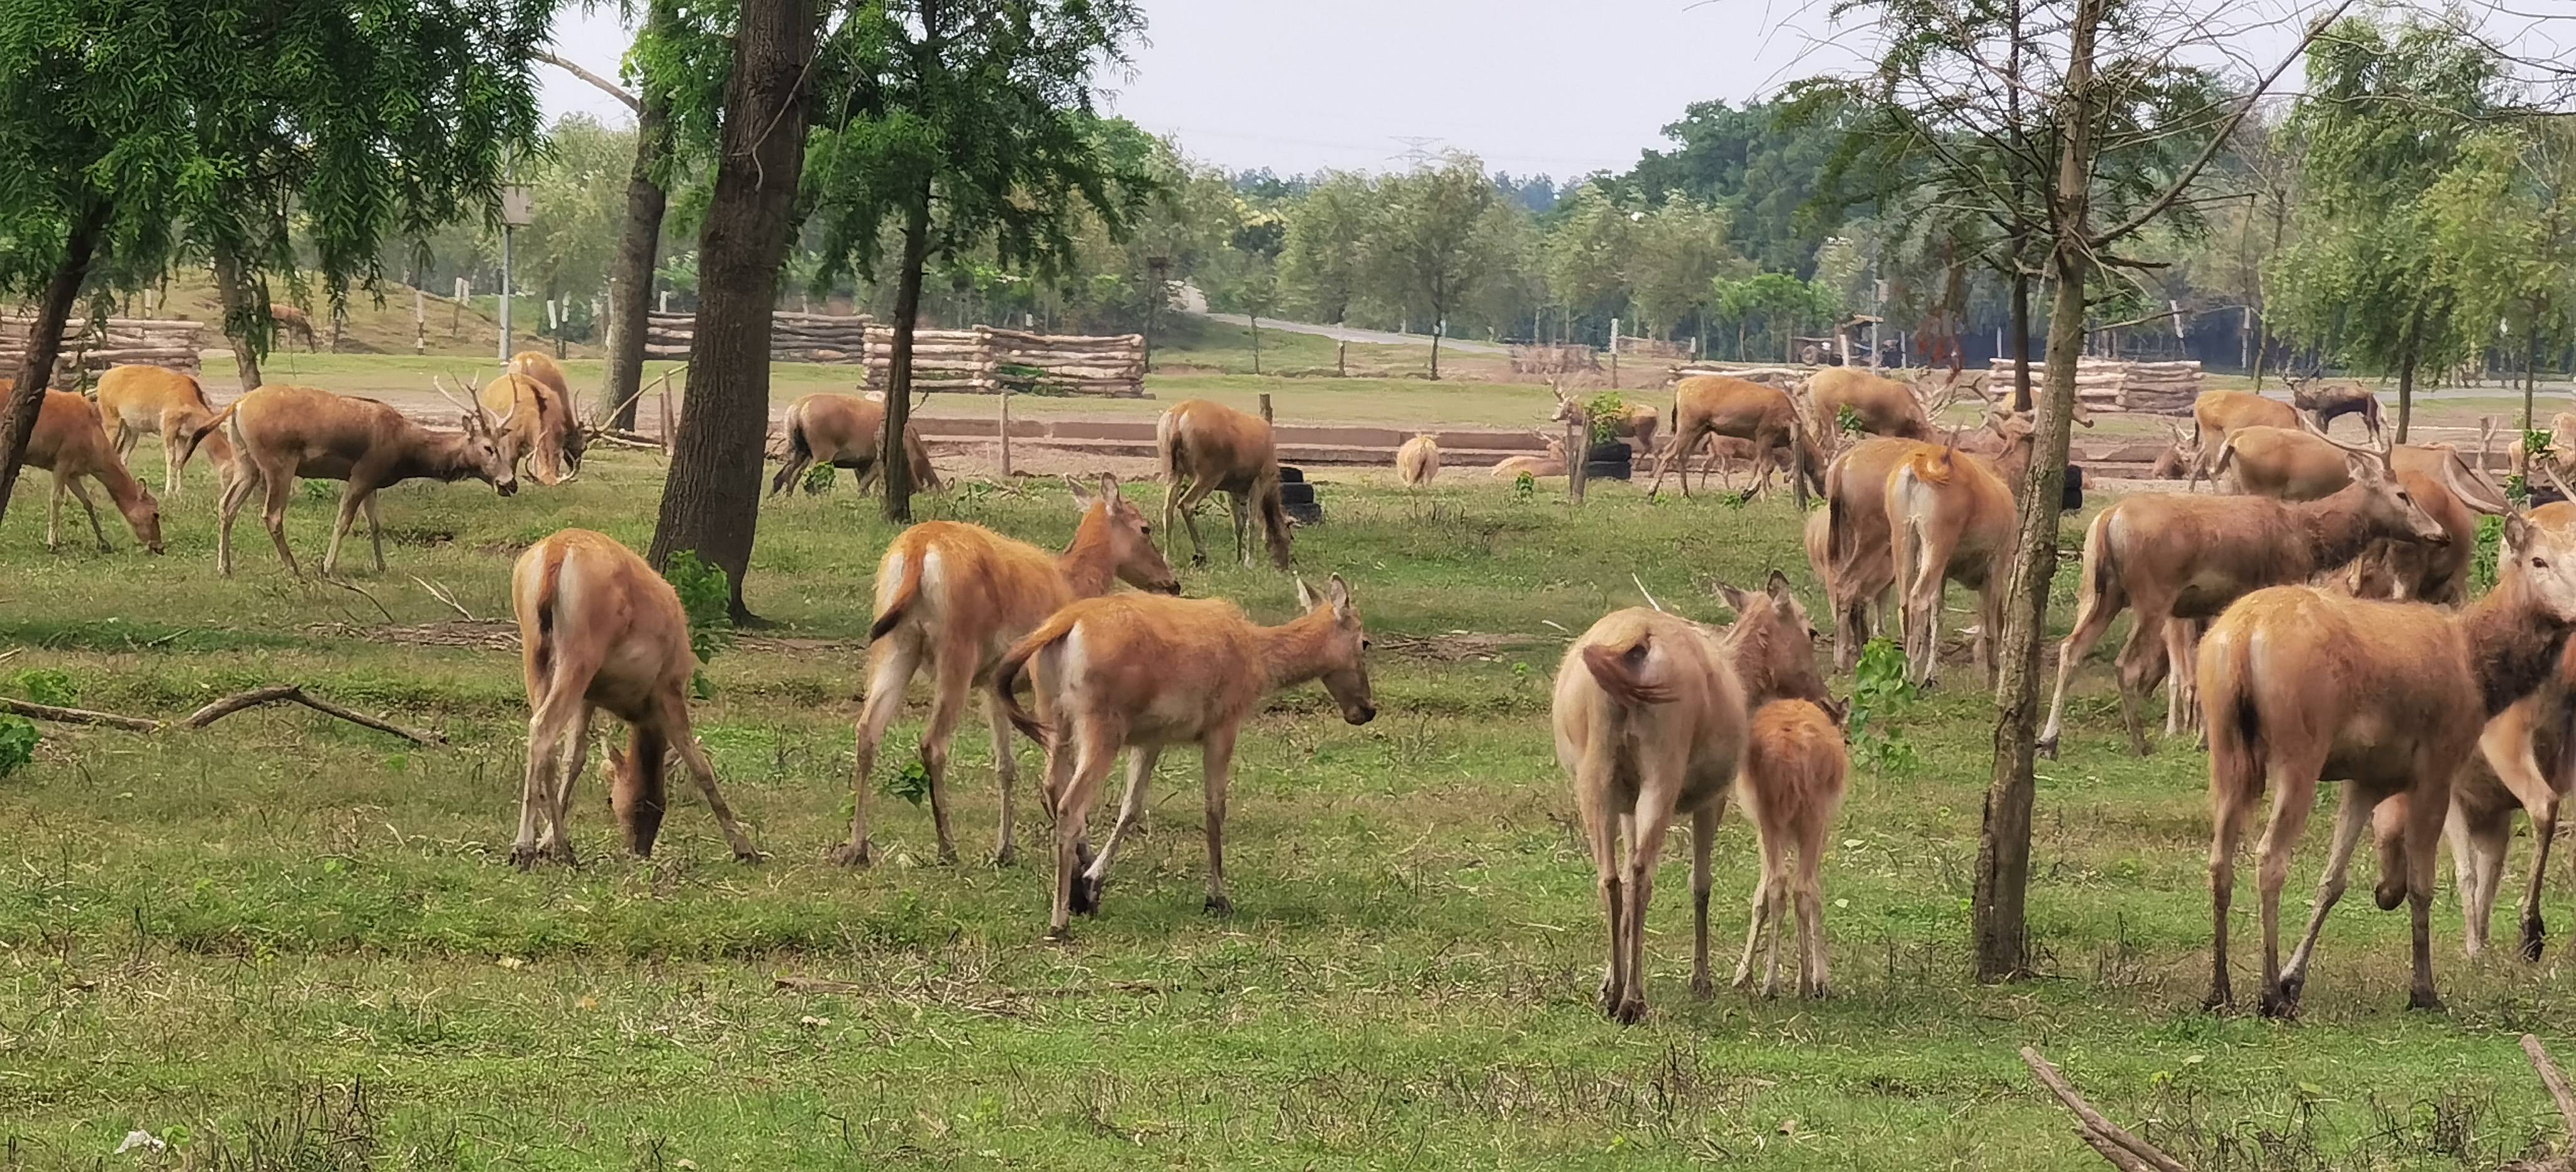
x=2380 y=451
x=439 y=384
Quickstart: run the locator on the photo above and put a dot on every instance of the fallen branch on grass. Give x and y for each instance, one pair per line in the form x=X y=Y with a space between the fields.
x=254 y=698
x=2125 y=1151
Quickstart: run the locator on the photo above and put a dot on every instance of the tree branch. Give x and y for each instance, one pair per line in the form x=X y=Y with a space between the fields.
x=612 y=89
x=2125 y=1151
x=273 y=694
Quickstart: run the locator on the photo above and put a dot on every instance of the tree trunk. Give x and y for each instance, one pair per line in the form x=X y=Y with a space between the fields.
x=246 y=322
x=711 y=500
x=630 y=289
x=2406 y=376
x=2262 y=296
x=1439 y=317
x=2001 y=934
x=2020 y=335
x=892 y=462
x=45 y=342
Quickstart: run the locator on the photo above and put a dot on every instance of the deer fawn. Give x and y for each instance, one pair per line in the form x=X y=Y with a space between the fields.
x=2300 y=685
x=1209 y=447
x=280 y=433
x=1795 y=774
x=1138 y=672
x=953 y=597
x=1651 y=718
x=845 y=431
x=135 y=400
x=1417 y=461
x=70 y=442
x=598 y=629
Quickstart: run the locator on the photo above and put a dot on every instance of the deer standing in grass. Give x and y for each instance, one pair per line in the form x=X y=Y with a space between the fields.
x=2300 y=465
x=1635 y=425
x=280 y=433
x=952 y=597
x=2178 y=559
x=599 y=630
x=1208 y=447
x=1417 y=461
x=70 y=442
x=1795 y=774
x=1950 y=515
x=293 y=321
x=1706 y=405
x=2301 y=685
x=1860 y=552
x=137 y=400
x=1141 y=673
x=1651 y=714
x=846 y=431
x=546 y=425
x=2324 y=404
x=1884 y=405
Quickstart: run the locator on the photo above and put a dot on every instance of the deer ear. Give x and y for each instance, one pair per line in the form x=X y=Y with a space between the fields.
x=1735 y=599
x=1081 y=495
x=1306 y=595
x=1778 y=588
x=1109 y=487
x=2518 y=532
x=1338 y=593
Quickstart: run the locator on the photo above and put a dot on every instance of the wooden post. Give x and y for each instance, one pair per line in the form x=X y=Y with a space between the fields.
x=1578 y=451
x=1614 y=353
x=668 y=424
x=1265 y=406
x=419 y=322
x=1006 y=431
x=1342 y=359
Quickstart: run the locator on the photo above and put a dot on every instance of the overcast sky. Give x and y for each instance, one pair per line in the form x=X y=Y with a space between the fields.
x=1532 y=86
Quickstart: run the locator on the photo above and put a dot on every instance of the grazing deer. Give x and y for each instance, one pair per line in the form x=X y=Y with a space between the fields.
x=1651 y=715
x=1950 y=515
x=2178 y=558
x=1636 y=425
x=952 y=597
x=1706 y=405
x=1140 y=673
x=70 y=442
x=2562 y=446
x=1551 y=464
x=2181 y=457
x=2217 y=414
x=1884 y=405
x=2300 y=685
x=1796 y=771
x=2323 y=404
x=1208 y=447
x=293 y=321
x=538 y=419
x=598 y=629
x=1858 y=537
x=846 y=431
x=1417 y=461
x=280 y=433
x=134 y=400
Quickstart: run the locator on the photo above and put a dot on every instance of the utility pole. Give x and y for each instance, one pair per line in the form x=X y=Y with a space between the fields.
x=517 y=208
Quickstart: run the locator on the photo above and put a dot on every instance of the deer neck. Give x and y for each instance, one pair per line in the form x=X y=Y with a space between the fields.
x=122 y=487
x=1089 y=564
x=434 y=455
x=2514 y=643
x=1298 y=650
x=1748 y=650
x=2334 y=528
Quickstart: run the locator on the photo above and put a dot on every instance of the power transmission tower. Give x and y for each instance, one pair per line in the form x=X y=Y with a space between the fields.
x=1417 y=152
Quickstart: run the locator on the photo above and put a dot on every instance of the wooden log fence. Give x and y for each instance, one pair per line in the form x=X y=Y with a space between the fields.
x=981 y=360
x=90 y=347
x=2163 y=388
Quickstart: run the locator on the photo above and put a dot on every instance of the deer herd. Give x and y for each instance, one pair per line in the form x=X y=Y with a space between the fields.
x=2312 y=626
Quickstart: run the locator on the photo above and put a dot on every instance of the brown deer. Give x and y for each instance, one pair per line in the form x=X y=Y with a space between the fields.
x=1950 y=515
x=1858 y=538
x=1140 y=673
x=2301 y=685
x=598 y=629
x=1208 y=447
x=1651 y=715
x=557 y=430
x=2181 y=457
x=135 y=400
x=293 y=321
x=1883 y=405
x=2325 y=403
x=2298 y=465
x=1706 y=405
x=952 y=597
x=538 y=418
x=2562 y=446
x=1417 y=461
x=2178 y=558
x=1796 y=771
x=846 y=431
x=70 y=442
x=1551 y=464
x=280 y=433
x=1636 y=425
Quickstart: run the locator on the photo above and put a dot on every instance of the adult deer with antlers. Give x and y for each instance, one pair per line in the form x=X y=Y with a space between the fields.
x=1707 y=405
x=546 y=429
x=1207 y=447
x=1883 y=405
x=1141 y=673
x=952 y=597
x=2177 y=558
x=1651 y=714
x=2326 y=403
x=846 y=431
x=70 y=443
x=280 y=433
x=137 y=400
x=2301 y=685
x=598 y=629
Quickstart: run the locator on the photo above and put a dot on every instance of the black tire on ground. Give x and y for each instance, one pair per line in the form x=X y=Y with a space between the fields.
x=1291 y=474
x=2072 y=499
x=1297 y=493
x=1611 y=461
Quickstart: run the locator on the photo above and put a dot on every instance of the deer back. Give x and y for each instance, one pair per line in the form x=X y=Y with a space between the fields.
x=1643 y=682
x=581 y=597
x=1211 y=442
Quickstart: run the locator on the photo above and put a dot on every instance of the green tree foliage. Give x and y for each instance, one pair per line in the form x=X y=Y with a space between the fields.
x=1322 y=272
x=1589 y=251
x=1761 y=163
x=1682 y=250
x=1440 y=238
x=579 y=186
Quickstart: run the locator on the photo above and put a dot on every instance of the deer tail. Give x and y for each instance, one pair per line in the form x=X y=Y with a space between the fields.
x=907 y=592
x=209 y=427
x=1006 y=675
x=800 y=454
x=1620 y=672
x=1167 y=446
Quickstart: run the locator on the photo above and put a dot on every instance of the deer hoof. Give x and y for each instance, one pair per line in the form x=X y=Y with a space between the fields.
x=851 y=854
x=1218 y=905
x=750 y=856
x=2389 y=892
x=2426 y=1000
x=2532 y=935
x=948 y=856
x=2045 y=748
x=1006 y=855
x=1630 y=1010
x=2281 y=1001
x=1702 y=986
x=1060 y=934
x=524 y=856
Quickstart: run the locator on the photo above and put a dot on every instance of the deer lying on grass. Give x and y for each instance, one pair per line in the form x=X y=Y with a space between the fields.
x=846 y=431
x=1858 y=538
x=1796 y=771
x=2300 y=685
x=2325 y=403
x=1417 y=461
x=1706 y=405
x=70 y=442
x=952 y=597
x=1651 y=719
x=1140 y=673
x=598 y=629
x=2178 y=558
x=2181 y=457
x=1208 y=447
x=1551 y=464
x=1884 y=405
x=280 y=433
x=1635 y=427
x=1950 y=515
x=135 y=400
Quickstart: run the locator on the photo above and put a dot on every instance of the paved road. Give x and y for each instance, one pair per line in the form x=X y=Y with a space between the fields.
x=1349 y=334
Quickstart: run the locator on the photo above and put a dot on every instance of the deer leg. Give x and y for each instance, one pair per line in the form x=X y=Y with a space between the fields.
x=54 y=511
x=1676 y=448
x=2478 y=849
x=952 y=672
x=348 y=516
x=1760 y=912
x=280 y=488
x=2429 y=801
x=676 y=729
x=1239 y=506
x=2293 y=792
x=1704 y=822
x=375 y=529
x=89 y=505
x=1093 y=745
x=2232 y=799
x=2183 y=661
x=1131 y=807
x=2141 y=658
x=2352 y=816
x=1593 y=779
x=1006 y=770
x=2093 y=615
x=1658 y=787
x=891 y=662
x=1810 y=896
x=1190 y=521
x=572 y=750
x=174 y=454
x=1217 y=763
x=540 y=831
x=2544 y=828
x=228 y=504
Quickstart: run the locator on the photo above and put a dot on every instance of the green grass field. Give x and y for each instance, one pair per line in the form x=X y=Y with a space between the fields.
x=288 y=942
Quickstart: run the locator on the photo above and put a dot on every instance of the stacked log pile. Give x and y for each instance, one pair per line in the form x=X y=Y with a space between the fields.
x=981 y=360
x=1075 y=364
x=2162 y=388
x=1554 y=359
x=793 y=337
x=1774 y=376
x=90 y=347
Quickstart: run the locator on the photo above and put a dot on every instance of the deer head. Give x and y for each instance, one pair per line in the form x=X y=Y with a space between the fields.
x=1347 y=677
x=1133 y=554
x=2385 y=501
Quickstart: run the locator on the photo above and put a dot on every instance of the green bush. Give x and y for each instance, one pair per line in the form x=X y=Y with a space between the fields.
x=17 y=743
x=707 y=595
x=46 y=685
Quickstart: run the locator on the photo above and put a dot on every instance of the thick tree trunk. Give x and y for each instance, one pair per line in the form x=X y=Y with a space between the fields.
x=630 y=289
x=45 y=342
x=2020 y=336
x=892 y=463
x=246 y=322
x=2001 y=934
x=711 y=501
